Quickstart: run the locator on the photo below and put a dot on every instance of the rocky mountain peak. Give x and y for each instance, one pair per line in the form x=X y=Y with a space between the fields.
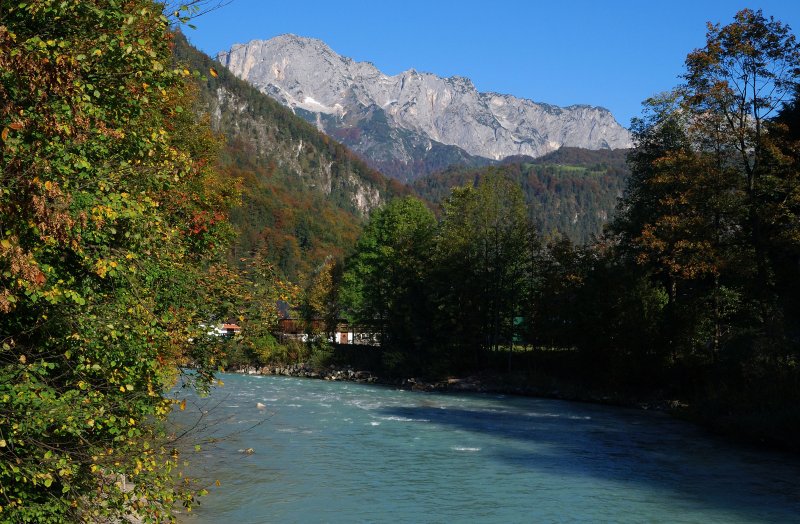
x=401 y=118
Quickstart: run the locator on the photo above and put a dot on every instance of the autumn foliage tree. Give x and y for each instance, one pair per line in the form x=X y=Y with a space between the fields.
x=109 y=215
x=711 y=211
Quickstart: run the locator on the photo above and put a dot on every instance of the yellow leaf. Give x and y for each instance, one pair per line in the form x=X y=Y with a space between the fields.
x=183 y=404
x=217 y=482
x=4 y=135
x=213 y=72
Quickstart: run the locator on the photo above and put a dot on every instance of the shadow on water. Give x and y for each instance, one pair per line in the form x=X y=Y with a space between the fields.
x=635 y=448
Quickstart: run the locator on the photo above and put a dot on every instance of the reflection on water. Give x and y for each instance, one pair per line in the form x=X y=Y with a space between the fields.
x=341 y=452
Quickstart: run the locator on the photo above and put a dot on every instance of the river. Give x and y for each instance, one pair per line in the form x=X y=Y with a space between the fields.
x=343 y=452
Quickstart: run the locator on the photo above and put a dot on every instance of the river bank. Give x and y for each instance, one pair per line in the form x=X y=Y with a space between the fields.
x=727 y=425
x=483 y=383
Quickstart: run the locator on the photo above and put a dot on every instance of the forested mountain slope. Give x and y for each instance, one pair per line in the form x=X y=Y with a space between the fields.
x=304 y=195
x=571 y=191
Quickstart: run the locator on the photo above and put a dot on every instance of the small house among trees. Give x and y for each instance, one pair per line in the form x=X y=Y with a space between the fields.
x=343 y=332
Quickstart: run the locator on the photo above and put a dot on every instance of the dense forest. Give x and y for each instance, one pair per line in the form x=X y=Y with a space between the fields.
x=570 y=192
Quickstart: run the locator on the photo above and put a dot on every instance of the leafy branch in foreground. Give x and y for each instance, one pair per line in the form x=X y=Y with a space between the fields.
x=109 y=214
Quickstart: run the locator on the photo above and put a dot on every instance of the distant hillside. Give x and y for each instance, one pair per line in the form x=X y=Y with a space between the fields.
x=571 y=191
x=576 y=156
x=304 y=194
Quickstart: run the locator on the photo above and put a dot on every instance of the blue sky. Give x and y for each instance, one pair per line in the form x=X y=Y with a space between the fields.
x=612 y=54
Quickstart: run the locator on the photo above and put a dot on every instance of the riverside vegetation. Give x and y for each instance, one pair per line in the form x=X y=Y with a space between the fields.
x=692 y=292
x=115 y=252
x=113 y=240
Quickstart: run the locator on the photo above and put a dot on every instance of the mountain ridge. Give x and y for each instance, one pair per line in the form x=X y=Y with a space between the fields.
x=400 y=119
x=412 y=70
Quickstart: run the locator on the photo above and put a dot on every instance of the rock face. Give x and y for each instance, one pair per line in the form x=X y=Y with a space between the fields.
x=311 y=165
x=413 y=120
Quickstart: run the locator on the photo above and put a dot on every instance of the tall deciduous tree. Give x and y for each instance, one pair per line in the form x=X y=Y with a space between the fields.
x=735 y=84
x=711 y=210
x=109 y=212
x=384 y=284
x=698 y=209
x=482 y=256
x=784 y=210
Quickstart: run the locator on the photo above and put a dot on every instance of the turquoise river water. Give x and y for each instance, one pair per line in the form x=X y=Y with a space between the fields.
x=343 y=452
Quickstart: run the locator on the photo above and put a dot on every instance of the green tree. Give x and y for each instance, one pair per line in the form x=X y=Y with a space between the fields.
x=384 y=283
x=553 y=301
x=110 y=213
x=321 y=298
x=482 y=258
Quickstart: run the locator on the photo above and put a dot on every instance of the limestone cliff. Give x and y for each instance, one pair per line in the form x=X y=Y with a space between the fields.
x=413 y=123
